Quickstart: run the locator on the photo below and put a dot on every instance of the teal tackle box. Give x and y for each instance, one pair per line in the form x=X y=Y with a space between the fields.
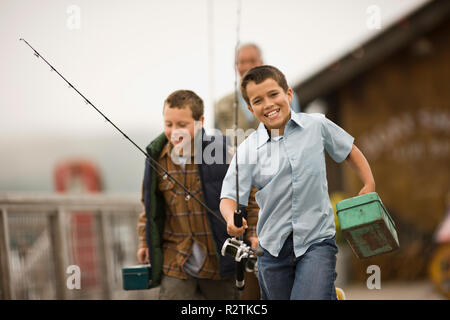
x=367 y=226
x=137 y=277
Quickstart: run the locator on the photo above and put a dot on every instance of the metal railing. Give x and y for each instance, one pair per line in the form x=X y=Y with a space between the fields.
x=41 y=236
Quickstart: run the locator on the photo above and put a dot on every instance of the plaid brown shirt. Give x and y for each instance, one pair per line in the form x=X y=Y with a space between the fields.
x=186 y=220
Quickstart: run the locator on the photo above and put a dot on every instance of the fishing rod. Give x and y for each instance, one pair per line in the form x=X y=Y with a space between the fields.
x=240 y=264
x=153 y=163
x=243 y=254
x=237 y=211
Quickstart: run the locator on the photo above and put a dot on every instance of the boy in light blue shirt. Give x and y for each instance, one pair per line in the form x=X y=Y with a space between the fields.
x=285 y=160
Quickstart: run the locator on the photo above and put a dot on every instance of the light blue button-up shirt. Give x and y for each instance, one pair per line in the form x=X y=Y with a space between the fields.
x=289 y=172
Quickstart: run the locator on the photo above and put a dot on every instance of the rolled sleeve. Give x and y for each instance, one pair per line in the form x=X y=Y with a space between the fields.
x=141 y=230
x=252 y=214
x=245 y=180
x=337 y=141
x=142 y=221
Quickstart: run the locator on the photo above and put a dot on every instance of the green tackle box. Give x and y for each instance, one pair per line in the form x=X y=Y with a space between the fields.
x=137 y=277
x=367 y=226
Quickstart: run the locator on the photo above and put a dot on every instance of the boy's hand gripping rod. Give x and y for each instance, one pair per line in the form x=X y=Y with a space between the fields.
x=153 y=163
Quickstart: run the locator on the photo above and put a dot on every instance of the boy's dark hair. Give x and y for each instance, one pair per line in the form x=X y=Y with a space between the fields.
x=260 y=74
x=185 y=98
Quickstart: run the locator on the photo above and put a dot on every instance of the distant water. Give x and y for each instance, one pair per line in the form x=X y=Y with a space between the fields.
x=27 y=163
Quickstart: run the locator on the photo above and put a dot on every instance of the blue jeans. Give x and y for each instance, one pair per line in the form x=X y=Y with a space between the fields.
x=310 y=276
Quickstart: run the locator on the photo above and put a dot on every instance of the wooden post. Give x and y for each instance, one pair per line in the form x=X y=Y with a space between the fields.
x=105 y=254
x=5 y=272
x=60 y=250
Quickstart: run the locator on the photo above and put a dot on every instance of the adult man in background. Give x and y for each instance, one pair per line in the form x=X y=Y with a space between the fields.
x=249 y=55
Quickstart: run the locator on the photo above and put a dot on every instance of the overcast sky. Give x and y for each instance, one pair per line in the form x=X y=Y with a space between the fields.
x=127 y=56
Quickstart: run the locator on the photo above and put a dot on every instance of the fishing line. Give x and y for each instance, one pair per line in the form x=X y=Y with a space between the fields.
x=153 y=163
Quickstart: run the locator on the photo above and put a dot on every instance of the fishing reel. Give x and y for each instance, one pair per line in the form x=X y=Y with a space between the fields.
x=240 y=251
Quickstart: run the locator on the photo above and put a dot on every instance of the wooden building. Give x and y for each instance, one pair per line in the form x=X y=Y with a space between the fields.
x=393 y=95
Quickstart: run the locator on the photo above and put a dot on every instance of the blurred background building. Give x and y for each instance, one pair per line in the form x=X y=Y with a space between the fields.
x=392 y=94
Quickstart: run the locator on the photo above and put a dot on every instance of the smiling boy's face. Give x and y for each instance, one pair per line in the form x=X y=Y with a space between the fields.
x=269 y=103
x=179 y=125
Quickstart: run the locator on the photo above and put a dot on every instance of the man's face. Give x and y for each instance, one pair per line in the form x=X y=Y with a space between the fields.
x=179 y=125
x=270 y=104
x=248 y=57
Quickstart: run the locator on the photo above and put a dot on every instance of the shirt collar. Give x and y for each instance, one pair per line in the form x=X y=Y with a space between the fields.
x=297 y=118
x=167 y=151
x=263 y=135
x=167 y=148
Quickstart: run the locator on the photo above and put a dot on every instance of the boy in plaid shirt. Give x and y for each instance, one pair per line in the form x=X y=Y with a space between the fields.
x=177 y=235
